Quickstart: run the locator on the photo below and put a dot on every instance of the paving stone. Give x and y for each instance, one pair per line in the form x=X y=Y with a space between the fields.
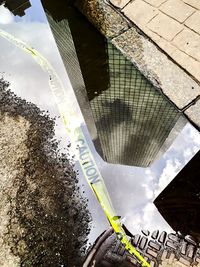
x=155 y=3
x=193 y=3
x=157 y=67
x=188 y=63
x=103 y=16
x=189 y=42
x=177 y=10
x=161 y=42
x=165 y=26
x=119 y=3
x=193 y=113
x=178 y=40
x=193 y=22
x=140 y=12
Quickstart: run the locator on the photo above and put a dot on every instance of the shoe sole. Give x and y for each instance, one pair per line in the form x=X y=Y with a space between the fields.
x=162 y=249
x=159 y=249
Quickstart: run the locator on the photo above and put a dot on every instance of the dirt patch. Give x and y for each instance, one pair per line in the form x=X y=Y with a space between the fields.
x=44 y=220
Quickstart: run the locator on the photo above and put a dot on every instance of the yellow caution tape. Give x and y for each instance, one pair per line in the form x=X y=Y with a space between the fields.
x=78 y=140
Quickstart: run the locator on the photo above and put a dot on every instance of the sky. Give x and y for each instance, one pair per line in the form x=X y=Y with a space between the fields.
x=132 y=189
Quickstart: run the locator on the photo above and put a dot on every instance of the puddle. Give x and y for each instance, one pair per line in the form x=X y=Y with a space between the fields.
x=130 y=124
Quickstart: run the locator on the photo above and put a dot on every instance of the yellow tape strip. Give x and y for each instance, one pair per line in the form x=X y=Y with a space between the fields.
x=86 y=159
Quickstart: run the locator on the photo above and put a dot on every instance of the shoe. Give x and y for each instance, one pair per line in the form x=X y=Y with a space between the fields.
x=159 y=249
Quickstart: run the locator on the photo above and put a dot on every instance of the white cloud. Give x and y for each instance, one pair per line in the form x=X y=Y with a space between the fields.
x=193 y=134
x=146 y=218
x=180 y=153
x=132 y=189
x=188 y=153
x=152 y=220
x=30 y=82
x=172 y=167
x=148 y=191
x=27 y=78
x=6 y=16
x=151 y=176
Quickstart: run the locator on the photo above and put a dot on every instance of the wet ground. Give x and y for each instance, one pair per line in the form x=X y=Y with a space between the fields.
x=41 y=208
x=132 y=189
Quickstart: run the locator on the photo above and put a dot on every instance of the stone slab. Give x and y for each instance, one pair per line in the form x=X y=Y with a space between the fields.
x=140 y=12
x=165 y=26
x=119 y=3
x=177 y=10
x=161 y=42
x=104 y=17
x=193 y=22
x=155 y=3
x=156 y=66
x=179 y=87
x=193 y=113
x=188 y=42
x=187 y=62
x=193 y=3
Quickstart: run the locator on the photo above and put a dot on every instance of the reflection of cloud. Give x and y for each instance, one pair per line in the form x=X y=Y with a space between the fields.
x=193 y=134
x=132 y=189
x=173 y=166
x=184 y=148
x=152 y=219
x=146 y=218
x=34 y=80
x=148 y=191
x=27 y=78
x=29 y=81
x=6 y=16
x=194 y=137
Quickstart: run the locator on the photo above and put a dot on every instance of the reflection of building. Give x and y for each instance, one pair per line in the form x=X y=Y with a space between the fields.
x=179 y=202
x=17 y=7
x=132 y=121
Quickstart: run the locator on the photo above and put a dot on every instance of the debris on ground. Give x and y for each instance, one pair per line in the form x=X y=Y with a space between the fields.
x=44 y=220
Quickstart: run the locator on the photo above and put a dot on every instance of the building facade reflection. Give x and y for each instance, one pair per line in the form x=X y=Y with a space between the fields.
x=130 y=121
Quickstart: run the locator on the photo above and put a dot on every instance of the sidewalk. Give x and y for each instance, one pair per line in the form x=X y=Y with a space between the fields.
x=174 y=25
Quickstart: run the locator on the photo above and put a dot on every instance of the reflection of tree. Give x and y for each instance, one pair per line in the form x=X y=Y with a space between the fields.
x=133 y=119
x=118 y=111
x=48 y=219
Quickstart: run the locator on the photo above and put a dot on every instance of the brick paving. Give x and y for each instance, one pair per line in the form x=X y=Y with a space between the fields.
x=174 y=25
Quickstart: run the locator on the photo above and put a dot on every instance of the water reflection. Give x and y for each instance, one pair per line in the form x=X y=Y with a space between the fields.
x=132 y=119
x=16 y=7
x=135 y=124
x=179 y=202
x=132 y=189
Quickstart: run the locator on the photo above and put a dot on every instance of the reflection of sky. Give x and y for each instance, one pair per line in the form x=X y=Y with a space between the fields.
x=33 y=14
x=132 y=189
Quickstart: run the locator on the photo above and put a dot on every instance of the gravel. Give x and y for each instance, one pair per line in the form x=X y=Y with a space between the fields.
x=44 y=220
